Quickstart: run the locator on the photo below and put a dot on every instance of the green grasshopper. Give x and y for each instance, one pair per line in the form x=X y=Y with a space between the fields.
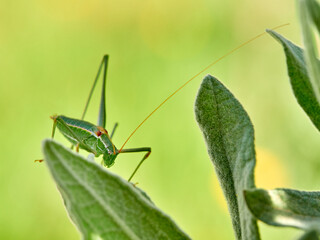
x=95 y=138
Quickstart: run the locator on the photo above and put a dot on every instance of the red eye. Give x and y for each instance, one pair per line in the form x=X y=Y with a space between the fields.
x=98 y=133
x=101 y=131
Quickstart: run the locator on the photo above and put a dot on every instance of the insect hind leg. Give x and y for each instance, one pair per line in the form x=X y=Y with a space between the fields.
x=144 y=149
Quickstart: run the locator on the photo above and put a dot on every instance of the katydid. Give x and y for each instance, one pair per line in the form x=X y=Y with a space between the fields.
x=95 y=138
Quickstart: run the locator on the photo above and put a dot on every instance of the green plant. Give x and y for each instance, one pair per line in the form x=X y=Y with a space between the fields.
x=104 y=206
x=229 y=135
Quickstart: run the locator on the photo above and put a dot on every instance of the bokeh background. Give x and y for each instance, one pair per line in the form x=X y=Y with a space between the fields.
x=49 y=54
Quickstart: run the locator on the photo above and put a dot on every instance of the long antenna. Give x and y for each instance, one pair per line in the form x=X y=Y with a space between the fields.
x=187 y=82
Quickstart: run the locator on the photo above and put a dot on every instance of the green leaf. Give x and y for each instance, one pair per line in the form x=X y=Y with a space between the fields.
x=313 y=66
x=101 y=203
x=301 y=84
x=229 y=135
x=285 y=207
x=314 y=11
x=311 y=235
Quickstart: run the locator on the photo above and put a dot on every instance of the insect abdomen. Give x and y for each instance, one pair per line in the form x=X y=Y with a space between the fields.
x=89 y=137
x=77 y=131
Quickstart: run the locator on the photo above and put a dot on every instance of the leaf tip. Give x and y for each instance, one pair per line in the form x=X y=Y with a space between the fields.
x=209 y=79
x=272 y=33
x=46 y=143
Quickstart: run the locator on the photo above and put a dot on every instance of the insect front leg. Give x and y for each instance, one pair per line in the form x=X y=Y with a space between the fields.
x=144 y=149
x=52 y=135
x=77 y=147
x=54 y=118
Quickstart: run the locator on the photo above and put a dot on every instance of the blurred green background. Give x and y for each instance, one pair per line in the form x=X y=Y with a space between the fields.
x=49 y=54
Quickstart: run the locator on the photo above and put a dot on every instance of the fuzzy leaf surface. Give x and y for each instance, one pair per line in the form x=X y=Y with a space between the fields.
x=229 y=135
x=314 y=11
x=286 y=207
x=300 y=81
x=103 y=204
x=310 y=235
x=307 y=15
